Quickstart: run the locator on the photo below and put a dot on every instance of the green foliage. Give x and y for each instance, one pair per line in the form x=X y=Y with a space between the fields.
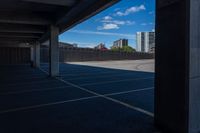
x=128 y=49
x=115 y=49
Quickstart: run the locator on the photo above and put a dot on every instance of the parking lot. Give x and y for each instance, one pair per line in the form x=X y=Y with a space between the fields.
x=84 y=98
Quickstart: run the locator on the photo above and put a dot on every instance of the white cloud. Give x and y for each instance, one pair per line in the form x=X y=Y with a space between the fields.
x=119 y=22
x=128 y=36
x=131 y=10
x=107 y=18
x=84 y=44
x=120 y=13
x=108 y=26
x=145 y=24
x=130 y=22
x=109 y=23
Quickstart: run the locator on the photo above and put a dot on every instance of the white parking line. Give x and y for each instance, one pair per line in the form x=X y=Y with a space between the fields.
x=115 y=81
x=97 y=76
x=44 y=105
x=108 y=98
x=85 y=84
x=75 y=100
x=86 y=74
x=106 y=82
x=125 y=92
x=93 y=75
x=111 y=99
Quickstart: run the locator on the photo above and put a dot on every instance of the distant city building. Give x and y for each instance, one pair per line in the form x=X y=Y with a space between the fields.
x=67 y=45
x=101 y=46
x=120 y=43
x=62 y=45
x=75 y=45
x=145 y=41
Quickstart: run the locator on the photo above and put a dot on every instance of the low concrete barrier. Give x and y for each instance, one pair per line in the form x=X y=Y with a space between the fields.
x=86 y=54
x=14 y=55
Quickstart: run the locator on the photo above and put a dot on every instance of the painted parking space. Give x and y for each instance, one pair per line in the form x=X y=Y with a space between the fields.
x=82 y=98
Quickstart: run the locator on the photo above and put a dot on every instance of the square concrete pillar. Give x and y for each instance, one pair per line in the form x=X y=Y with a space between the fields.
x=194 y=68
x=177 y=88
x=32 y=55
x=35 y=55
x=54 y=51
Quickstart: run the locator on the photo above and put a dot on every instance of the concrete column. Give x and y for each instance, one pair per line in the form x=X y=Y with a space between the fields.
x=54 y=52
x=32 y=55
x=194 y=74
x=35 y=55
x=177 y=88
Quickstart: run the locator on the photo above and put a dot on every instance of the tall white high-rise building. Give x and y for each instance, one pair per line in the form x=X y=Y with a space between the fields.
x=120 y=43
x=145 y=41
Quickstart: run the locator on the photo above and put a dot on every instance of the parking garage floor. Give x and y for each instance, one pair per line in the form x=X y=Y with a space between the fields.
x=83 y=99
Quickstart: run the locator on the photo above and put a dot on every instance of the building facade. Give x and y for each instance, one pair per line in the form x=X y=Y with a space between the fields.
x=120 y=43
x=101 y=47
x=145 y=41
x=61 y=45
x=67 y=45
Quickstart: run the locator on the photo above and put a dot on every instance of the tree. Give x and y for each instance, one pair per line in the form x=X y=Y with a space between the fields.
x=115 y=49
x=128 y=49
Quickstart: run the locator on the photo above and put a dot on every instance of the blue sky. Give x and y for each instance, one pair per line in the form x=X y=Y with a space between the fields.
x=122 y=20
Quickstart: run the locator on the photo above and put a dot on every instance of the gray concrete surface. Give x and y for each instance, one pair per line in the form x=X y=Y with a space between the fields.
x=134 y=65
x=194 y=65
x=54 y=52
x=83 y=100
x=171 y=76
x=177 y=71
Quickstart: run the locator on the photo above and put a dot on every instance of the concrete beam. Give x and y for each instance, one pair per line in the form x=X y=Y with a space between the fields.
x=53 y=2
x=54 y=52
x=45 y=37
x=17 y=28
x=16 y=39
x=20 y=35
x=14 y=44
x=21 y=6
x=24 y=18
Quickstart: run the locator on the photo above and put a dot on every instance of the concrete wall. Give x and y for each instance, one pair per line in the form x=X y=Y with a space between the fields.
x=14 y=55
x=177 y=89
x=194 y=77
x=171 y=92
x=79 y=54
